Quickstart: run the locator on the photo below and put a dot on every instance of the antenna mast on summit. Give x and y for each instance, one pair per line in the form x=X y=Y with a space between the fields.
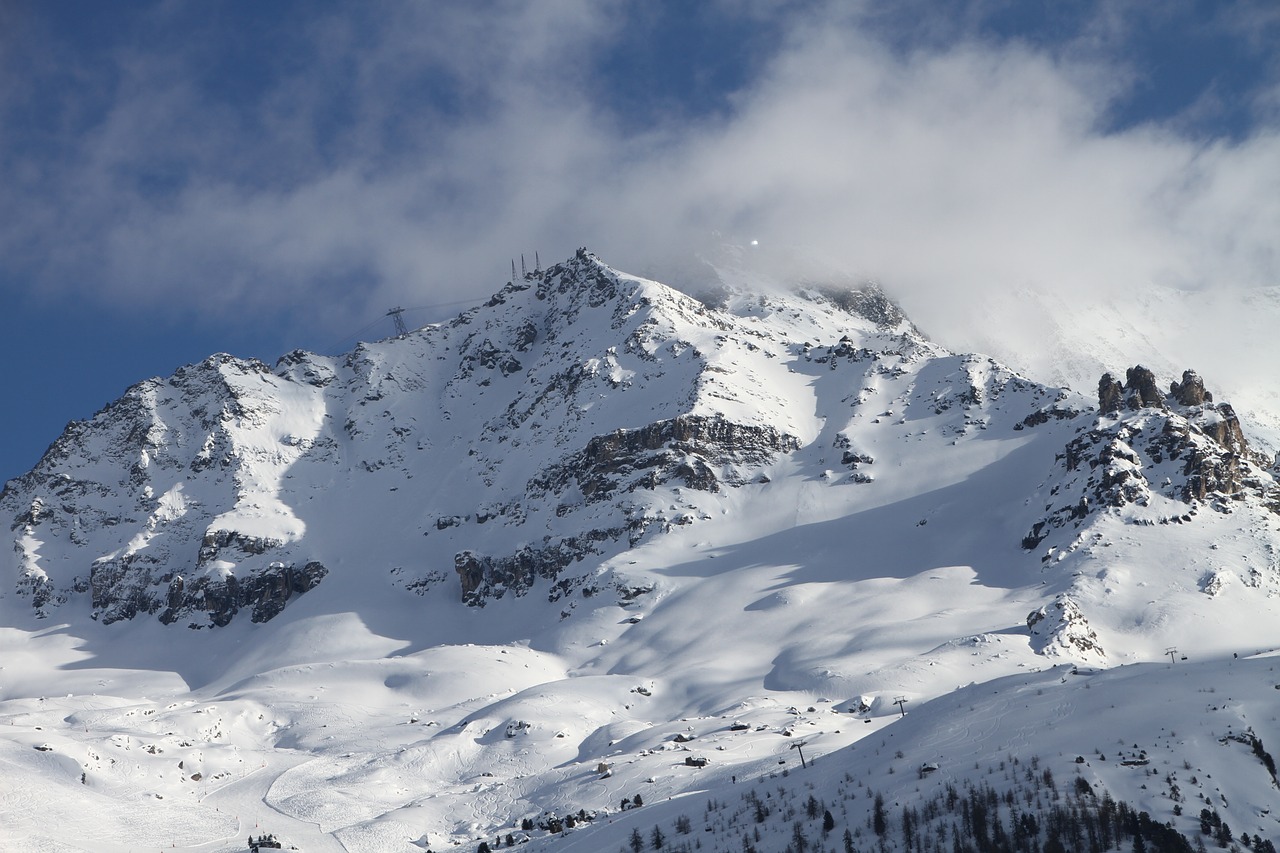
x=394 y=314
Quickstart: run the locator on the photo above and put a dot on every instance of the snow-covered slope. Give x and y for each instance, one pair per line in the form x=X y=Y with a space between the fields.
x=1084 y=759
x=489 y=571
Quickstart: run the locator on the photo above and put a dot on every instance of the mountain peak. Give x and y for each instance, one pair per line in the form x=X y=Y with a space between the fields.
x=595 y=511
x=579 y=401
x=579 y=414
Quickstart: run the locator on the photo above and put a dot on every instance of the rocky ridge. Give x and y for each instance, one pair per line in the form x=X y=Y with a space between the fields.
x=1153 y=457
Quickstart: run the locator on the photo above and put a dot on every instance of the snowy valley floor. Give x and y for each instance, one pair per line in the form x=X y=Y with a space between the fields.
x=318 y=756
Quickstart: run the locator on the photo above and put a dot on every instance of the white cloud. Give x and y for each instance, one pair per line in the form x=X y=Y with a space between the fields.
x=953 y=174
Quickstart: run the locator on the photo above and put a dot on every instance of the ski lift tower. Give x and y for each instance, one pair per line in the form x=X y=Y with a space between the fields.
x=799 y=746
x=401 y=329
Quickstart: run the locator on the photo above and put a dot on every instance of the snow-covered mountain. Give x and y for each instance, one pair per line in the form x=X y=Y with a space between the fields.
x=487 y=572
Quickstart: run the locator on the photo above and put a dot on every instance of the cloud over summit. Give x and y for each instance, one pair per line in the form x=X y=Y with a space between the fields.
x=367 y=157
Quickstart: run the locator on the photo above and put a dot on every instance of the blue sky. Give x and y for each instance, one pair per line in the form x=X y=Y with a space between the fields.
x=188 y=178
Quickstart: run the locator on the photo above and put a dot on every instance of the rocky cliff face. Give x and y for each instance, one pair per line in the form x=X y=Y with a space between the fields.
x=694 y=450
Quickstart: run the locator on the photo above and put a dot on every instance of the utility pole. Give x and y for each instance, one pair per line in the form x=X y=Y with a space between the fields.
x=901 y=702
x=394 y=314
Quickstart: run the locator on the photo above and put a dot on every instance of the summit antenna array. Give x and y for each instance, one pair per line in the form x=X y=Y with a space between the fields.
x=524 y=267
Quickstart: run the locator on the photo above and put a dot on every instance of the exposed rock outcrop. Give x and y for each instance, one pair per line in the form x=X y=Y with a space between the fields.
x=1190 y=392
x=1140 y=390
x=483 y=577
x=697 y=450
x=1110 y=394
x=127 y=586
x=1140 y=384
x=1060 y=629
x=1147 y=447
x=221 y=597
x=869 y=302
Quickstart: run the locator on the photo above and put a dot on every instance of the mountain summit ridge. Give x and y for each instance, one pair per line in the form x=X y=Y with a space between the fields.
x=570 y=416
x=236 y=425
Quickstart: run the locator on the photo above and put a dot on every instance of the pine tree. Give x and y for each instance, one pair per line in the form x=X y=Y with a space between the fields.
x=878 y=822
x=656 y=838
x=811 y=807
x=828 y=822
x=798 y=841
